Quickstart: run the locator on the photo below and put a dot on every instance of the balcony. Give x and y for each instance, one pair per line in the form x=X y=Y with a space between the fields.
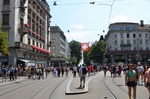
x=49 y=43
x=22 y=45
x=23 y=30
x=125 y=45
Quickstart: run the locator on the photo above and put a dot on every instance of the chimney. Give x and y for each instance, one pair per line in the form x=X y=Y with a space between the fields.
x=141 y=23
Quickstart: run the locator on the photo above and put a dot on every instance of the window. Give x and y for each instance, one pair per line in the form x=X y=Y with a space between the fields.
x=127 y=28
x=146 y=41
x=33 y=42
x=121 y=35
x=37 y=44
x=128 y=41
x=120 y=28
x=29 y=41
x=134 y=42
x=5 y=19
x=134 y=35
x=53 y=47
x=140 y=41
x=140 y=35
x=115 y=35
x=128 y=36
x=6 y=2
x=147 y=48
x=146 y=35
x=122 y=42
x=115 y=42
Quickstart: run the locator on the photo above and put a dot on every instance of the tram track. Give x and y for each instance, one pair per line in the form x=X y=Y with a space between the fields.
x=6 y=92
x=52 y=86
x=121 y=87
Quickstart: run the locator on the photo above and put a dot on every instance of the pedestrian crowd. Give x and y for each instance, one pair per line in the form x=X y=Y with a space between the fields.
x=135 y=74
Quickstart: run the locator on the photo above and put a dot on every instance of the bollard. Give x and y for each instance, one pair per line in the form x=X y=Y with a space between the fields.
x=105 y=97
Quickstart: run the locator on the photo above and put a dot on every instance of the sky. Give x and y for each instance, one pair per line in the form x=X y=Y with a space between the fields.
x=86 y=22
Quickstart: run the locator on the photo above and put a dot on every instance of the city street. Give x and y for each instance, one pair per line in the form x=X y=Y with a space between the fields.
x=99 y=87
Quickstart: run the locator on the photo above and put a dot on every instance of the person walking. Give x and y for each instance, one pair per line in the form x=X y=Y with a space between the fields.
x=140 y=70
x=11 y=74
x=4 y=73
x=74 y=70
x=82 y=75
x=147 y=80
x=131 y=80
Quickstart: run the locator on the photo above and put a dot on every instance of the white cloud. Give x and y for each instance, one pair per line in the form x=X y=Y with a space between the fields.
x=78 y=26
x=83 y=36
x=119 y=18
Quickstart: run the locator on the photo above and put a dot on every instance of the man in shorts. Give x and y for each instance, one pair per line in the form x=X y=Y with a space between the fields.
x=82 y=76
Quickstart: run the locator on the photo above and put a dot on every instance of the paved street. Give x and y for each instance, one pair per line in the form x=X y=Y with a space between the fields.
x=97 y=87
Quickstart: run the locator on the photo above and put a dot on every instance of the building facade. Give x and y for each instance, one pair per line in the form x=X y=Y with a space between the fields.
x=28 y=25
x=128 y=43
x=60 y=50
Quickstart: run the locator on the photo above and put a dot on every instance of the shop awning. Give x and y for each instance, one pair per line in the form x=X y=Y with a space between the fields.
x=26 y=61
x=40 y=49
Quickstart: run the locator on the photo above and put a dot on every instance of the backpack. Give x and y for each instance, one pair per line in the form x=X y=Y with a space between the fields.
x=84 y=71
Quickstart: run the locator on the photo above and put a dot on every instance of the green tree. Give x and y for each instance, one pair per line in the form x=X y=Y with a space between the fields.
x=96 y=52
x=75 y=50
x=73 y=60
x=4 y=43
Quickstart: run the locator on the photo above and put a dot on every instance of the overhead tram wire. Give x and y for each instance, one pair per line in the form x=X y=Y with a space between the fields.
x=86 y=3
x=111 y=7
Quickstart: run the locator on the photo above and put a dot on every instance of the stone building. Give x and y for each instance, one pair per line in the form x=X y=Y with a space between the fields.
x=60 y=50
x=128 y=43
x=28 y=25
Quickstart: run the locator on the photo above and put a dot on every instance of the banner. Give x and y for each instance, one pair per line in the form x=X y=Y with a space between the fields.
x=85 y=47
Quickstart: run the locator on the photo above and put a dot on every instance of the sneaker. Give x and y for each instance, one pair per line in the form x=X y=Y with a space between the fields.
x=80 y=86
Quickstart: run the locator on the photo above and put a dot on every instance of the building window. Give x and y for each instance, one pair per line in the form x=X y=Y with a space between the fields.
x=146 y=41
x=128 y=41
x=121 y=28
x=134 y=48
x=33 y=43
x=116 y=42
x=122 y=42
x=127 y=28
x=141 y=48
x=146 y=35
x=6 y=2
x=134 y=42
x=53 y=47
x=140 y=35
x=140 y=42
x=5 y=19
x=128 y=36
x=121 y=35
x=37 y=43
x=115 y=35
x=29 y=41
x=147 y=48
x=116 y=49
x=134 y=35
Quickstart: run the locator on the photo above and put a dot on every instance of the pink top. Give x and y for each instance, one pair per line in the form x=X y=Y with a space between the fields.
x=147 y=75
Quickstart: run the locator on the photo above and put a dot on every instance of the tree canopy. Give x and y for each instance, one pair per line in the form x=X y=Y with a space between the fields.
x=75 y=51
x=4 y=43
x=96 y=53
